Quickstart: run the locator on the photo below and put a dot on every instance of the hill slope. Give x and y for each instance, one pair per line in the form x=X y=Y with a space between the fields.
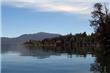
x=23 y=38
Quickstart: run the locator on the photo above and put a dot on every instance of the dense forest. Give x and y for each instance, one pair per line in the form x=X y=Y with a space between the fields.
x=70 y=41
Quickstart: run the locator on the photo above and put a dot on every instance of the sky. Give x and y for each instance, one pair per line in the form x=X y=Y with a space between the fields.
x=52 y=16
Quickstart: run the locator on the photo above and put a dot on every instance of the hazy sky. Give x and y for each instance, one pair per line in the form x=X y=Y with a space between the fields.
x=54 y=16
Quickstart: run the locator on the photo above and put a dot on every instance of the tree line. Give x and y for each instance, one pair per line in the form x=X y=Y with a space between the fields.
x=69 y=41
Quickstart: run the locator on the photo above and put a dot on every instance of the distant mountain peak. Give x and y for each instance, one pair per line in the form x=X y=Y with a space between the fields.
x=26 y=37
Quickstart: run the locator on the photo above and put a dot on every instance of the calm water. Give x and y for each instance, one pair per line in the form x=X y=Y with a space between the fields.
x=23 y=60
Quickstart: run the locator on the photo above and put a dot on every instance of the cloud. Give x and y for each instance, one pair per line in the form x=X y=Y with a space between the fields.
x=66 y=6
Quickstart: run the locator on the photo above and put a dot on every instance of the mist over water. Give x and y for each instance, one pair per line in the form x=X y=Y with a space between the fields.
x=20 y=59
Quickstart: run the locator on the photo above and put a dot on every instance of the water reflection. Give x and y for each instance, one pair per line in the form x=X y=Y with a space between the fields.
x=26 y=51
x=45 y=52
x=101 y=63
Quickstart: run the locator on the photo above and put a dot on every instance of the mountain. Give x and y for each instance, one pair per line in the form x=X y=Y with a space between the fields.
x=37 y=36
x=5 y=41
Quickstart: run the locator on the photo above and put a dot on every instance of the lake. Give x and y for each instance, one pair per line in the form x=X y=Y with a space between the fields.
x=24 y=60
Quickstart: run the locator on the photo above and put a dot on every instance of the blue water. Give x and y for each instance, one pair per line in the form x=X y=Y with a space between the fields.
x=15 y=62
